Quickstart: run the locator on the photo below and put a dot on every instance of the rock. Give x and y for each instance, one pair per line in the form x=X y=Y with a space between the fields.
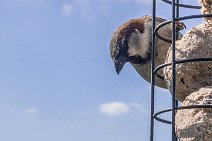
x=191 y=76
x=206 y=8
x=195 y=124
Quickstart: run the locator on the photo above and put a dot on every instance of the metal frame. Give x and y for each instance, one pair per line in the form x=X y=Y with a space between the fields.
x=175 y=16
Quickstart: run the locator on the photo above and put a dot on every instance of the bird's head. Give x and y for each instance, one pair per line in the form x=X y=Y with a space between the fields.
x=131 y=43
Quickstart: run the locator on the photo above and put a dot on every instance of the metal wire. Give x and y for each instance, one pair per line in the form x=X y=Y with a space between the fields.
x=173 y=71
x=175 y=17
x=182 y=5
x=152 y=71
x=179 y=62
x=178 y=108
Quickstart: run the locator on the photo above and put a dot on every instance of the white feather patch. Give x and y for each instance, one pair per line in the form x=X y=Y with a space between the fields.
x=139 y=42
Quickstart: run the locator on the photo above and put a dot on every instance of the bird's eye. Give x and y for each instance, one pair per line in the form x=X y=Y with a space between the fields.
x=116 y=56
x=115 y=52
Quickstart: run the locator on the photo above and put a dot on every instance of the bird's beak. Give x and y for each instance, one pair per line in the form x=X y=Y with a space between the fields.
x=119 y=64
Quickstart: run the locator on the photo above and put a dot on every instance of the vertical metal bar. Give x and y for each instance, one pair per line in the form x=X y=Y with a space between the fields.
x=177 y=16
x=173 y=71
x=152 y=72
x=177 y=37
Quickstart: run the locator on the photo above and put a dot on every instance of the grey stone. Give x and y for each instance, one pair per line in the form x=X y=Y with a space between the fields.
x=191 y=76
x=195 y=124
x=206 y=9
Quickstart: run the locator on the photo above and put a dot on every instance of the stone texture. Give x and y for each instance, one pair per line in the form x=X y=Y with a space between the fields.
x=206 y=8
x=190 y=77
x=195 y=124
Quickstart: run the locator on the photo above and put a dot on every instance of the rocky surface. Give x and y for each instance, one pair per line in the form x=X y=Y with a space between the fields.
x=206 y=8
x=190 y=77
x=195 y=124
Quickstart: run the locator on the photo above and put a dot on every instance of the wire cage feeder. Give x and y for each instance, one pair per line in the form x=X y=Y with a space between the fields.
x=176 y=5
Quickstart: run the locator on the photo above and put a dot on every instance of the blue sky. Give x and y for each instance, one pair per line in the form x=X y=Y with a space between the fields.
x=57 y=81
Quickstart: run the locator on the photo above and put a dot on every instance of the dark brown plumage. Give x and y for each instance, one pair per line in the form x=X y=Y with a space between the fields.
x=131 y=42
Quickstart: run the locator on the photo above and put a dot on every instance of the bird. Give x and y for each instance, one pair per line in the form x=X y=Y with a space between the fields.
x=131 y=42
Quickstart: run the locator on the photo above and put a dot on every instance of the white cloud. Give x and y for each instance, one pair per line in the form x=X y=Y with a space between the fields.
x=83 y=9
x=135 y=105
x=114 y=108
x=133 y=1
x=142 y=1
x=32 y=110
x=67 y=9
x=86 y=8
